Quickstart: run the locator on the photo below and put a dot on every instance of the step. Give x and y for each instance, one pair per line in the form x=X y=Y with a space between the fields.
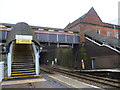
x=19 y=68
x=22 y=55
x=8 y=78
x=23 y=68
x=23 y=59
x=22 y=74
x=23 y=71
x=20 y=65
x=23 y=64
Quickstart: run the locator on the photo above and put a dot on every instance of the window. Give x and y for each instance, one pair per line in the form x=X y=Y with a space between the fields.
x=52 y=38
x=43 y=37
x=116 y=34
x=61 y=38
x=69 y=38
x=108 y=33
x=98 y=31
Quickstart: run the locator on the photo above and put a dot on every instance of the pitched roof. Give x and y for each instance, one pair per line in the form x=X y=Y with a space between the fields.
x=86 y=16
x=77 y=20
x=40 y=27
x=95 y=36
x=112 y=41
x=21 y=29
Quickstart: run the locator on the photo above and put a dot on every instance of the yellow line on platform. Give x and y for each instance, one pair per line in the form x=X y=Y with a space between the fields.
x=22 y=81
x=63 y=82
x=22 y=77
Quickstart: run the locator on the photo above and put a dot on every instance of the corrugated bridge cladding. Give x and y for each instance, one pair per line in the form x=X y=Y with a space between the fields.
x=47 y=34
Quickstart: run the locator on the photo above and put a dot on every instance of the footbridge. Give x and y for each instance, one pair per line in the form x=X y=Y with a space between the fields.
x=24 y=44
x=22 y=52
x=47 y=35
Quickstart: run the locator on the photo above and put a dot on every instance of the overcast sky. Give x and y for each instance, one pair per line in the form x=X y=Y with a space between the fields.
x=55 y=13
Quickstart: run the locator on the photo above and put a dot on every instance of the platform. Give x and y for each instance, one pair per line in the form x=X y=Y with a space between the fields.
x=101 y=70
x=48 y=81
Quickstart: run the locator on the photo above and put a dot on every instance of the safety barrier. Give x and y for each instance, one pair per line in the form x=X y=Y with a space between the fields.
x=1 y=73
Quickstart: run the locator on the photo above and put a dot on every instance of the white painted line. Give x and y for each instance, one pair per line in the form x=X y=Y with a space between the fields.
x=82 y=82
x=63 y=81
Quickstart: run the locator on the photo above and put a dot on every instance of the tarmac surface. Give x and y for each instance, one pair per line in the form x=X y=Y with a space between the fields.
x=48 y=81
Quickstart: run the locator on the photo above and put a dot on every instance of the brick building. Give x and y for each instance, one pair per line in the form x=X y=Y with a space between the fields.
x=92 y=22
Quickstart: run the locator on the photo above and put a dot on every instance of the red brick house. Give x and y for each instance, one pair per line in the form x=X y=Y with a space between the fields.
x=91 y=21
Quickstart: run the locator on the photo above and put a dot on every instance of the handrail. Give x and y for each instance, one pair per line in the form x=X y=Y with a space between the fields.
x=36 y=54
x=104 y=44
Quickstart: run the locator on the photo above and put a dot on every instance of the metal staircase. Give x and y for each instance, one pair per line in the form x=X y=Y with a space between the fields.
x=23 y=52
x=23 y=63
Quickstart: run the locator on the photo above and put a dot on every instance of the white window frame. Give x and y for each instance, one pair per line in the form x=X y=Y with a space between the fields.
x=116 y=34
x=98 y=31
x=108 y=33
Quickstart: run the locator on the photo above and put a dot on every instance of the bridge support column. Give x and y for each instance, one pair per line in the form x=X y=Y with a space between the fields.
x=57 y=45
x=72 y=45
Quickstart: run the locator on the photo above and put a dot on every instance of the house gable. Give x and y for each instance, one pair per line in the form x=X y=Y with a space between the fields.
x=92 y=17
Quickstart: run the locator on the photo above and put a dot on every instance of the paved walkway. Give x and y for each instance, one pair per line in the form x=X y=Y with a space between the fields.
x=48 y=81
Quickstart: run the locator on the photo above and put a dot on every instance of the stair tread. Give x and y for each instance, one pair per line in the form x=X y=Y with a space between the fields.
x=17 y=74
x=24 y=71
x=27 y=62
x=18 y=65
x=22 y=77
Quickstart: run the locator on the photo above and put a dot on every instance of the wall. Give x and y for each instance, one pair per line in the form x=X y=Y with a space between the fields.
x=67 y=57
x=91 y=21
x=86 y=27
x=104 y=57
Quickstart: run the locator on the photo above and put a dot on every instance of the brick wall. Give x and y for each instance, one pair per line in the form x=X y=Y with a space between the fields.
x=91 y=21
x=104 y=57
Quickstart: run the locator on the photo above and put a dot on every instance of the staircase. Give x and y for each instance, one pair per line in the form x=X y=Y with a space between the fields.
x=23 y=70
x=23 y=64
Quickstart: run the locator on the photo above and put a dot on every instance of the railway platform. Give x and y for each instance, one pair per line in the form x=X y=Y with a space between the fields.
x=101 y=70
x=48 y=81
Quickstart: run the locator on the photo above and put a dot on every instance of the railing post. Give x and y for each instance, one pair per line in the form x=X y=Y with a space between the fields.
x=1 y=70
x=37 y=64
x=9 y=59
x=36 y=54
x=9 y=64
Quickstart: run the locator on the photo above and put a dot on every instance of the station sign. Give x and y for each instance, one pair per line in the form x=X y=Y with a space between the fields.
x=23 y=39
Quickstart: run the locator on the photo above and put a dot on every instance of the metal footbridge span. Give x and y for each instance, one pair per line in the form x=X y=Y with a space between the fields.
x=24 y=44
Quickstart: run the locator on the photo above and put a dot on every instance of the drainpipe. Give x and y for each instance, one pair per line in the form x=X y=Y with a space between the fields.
x=114 y=31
